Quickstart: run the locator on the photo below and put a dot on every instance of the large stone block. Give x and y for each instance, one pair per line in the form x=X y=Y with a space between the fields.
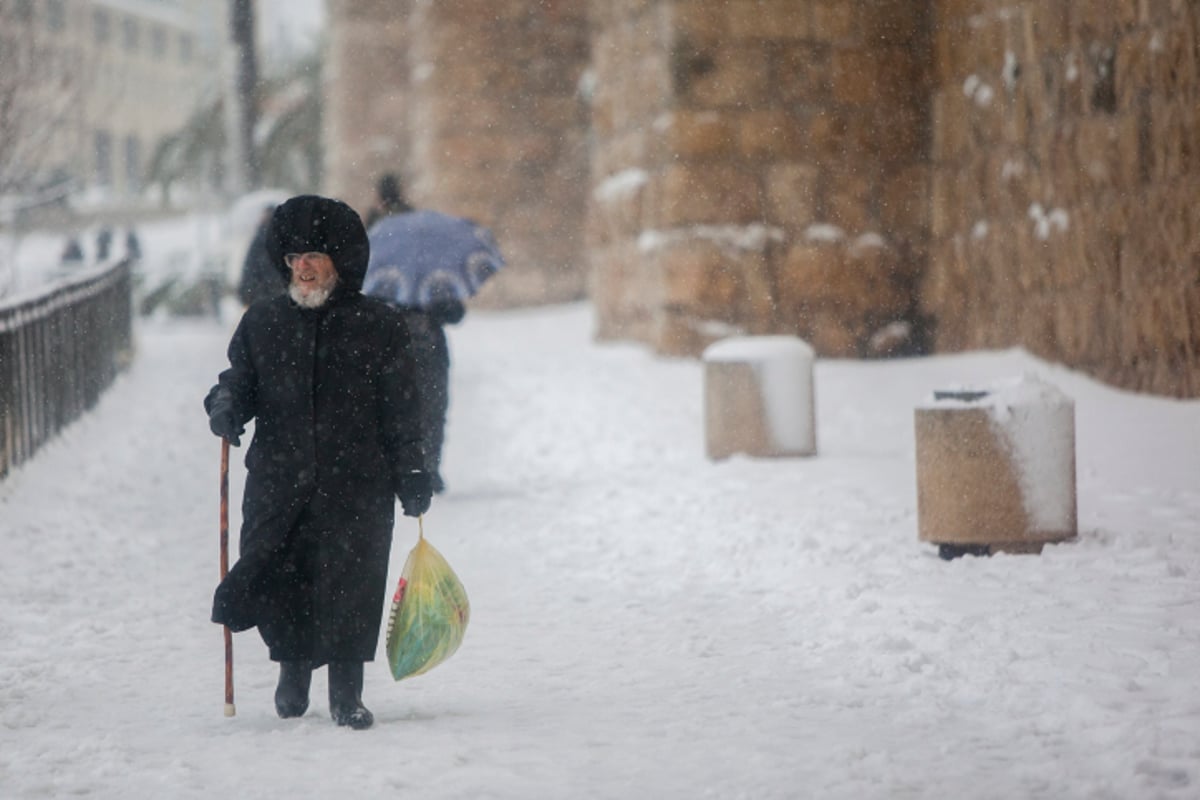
x=826 y=139
x=792 y=194
x=857 y=76
x=805 y=272
x=949 y=122
x=688 y=134
x=898 y=134
x=904 y=201
x=696 y=274
x=850 y=199
x=767 y=20
x=616 y=208
x=855 y=283
x=832 y=334
x=895 y=22
x=833 y=21
x=706 y=193
x=802 y=74
x=701 y=23
x=770 y=135
x=726 y=76
x=945 y=206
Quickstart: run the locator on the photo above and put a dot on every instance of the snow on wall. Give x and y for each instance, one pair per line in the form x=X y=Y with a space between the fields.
x=752 y=238
x=622 y=183
x=824 y=232
x=784 y=368
x=1036 y=423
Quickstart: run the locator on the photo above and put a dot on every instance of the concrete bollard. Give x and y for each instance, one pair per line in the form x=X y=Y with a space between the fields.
x=758 y=397
x=996 y=468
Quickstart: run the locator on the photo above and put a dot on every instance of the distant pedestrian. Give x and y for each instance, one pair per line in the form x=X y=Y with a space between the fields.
x=72 y=254
x=430 y=348
x=133 y=245
x=389 y=199
x=103 y=243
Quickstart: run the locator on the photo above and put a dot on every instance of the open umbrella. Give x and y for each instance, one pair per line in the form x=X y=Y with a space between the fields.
x=420 y=257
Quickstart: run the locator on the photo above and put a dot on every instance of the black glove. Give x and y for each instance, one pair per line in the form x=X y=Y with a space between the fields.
x=415 y=491
x=221 y=419
x=446 y=311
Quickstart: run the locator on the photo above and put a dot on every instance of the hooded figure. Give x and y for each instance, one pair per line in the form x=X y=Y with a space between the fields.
x=324 y=372
x=261 y=278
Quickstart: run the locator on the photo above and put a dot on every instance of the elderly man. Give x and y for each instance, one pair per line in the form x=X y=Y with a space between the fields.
x=325 y=373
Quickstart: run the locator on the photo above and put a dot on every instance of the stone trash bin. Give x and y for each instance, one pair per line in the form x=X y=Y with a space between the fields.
x=758 y=397
x=996 y=468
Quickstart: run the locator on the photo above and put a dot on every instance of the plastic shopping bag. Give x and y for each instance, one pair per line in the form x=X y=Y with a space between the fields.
x=429 y=614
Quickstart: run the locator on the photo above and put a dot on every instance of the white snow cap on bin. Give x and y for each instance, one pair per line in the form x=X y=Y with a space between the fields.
x=759 y=396
x=1035 y=422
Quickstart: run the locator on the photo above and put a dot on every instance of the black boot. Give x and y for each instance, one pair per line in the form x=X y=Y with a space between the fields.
x=345 y=695
x=291 y=695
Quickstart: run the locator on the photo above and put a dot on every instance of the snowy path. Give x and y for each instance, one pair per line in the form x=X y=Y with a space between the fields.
x=644 y=623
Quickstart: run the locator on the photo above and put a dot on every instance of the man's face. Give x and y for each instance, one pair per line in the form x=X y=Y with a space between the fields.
x=312 y=273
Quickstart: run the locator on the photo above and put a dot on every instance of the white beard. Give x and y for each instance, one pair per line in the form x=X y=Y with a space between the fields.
x=314 y=299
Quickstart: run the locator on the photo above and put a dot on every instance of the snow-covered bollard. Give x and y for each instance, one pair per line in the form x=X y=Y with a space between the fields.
x=996 y=468
x=758 y=397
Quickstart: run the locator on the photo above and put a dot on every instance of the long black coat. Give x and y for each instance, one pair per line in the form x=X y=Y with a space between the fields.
x=337 y=426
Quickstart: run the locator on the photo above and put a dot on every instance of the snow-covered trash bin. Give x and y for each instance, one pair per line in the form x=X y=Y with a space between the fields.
x=758 y=397
x=996 y=468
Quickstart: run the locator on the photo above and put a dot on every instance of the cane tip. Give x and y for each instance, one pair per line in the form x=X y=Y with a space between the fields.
x=230 y=710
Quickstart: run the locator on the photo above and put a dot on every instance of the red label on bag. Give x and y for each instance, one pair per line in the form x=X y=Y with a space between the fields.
x=400 y=589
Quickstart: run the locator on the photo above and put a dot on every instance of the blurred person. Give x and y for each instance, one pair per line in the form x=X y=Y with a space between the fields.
x=260 y=279
x=325 y=372
x=389 y=199
x=72 y=253
x=430 y=348
x=103 y=243
x=133 y=245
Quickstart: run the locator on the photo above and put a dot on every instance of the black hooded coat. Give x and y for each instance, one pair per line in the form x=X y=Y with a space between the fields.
x=337 y=428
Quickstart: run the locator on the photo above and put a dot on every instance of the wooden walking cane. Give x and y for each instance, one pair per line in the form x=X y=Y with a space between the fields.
x=230 y=710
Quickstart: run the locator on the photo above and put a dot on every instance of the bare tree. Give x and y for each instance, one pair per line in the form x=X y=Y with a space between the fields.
x=40 y=92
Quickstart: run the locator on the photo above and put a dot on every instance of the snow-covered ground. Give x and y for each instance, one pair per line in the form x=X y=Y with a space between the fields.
x=645 y=623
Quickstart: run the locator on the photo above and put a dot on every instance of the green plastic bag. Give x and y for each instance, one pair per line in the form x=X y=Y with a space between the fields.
x=429 y=614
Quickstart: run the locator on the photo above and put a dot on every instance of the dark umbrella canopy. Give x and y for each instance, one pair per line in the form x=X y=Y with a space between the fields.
x=421 y=257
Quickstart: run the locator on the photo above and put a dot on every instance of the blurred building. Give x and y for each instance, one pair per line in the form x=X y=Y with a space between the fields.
x=96 y=85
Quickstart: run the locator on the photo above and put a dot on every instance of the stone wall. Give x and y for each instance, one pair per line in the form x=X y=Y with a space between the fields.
x=876 y=176
x=475 y=103
x=758 y=165
x=1066 y=190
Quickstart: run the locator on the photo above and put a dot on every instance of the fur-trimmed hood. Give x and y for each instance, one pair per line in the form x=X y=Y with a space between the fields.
x=309 y=223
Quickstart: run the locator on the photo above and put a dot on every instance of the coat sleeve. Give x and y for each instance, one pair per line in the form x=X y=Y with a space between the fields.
x=400 y=405
x=240 y=380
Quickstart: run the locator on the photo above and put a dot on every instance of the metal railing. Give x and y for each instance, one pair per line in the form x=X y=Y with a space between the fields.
x=59 y=350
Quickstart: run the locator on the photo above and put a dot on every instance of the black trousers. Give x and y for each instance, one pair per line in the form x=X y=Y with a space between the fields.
x=431 y=358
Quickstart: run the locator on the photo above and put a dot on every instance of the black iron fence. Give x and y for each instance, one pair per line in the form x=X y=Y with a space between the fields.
x=59 y=349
